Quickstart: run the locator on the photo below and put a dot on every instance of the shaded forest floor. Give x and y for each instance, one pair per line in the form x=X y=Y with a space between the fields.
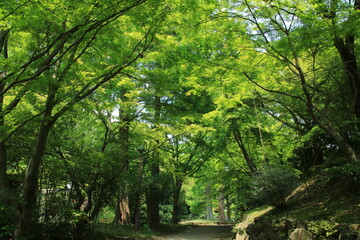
x=318 y=199
x=322 y=205
x=200 y=232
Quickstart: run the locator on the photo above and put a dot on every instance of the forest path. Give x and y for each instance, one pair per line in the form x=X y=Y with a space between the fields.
x=213 y=232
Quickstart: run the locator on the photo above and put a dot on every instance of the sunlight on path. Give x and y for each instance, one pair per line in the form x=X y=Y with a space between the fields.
x=201 y=233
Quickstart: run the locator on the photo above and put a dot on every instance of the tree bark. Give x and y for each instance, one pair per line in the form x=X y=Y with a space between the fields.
x=228 y=208
x=343 y=144
x=30 y=185
x=239 y=141
x=347 y=53
x=138 y=193
x=123 y=201
x=25 y=214
x=122 y=211
x=221 y=214
x=209 y=210
x=176 y=196
x=4 y=181
x=346 y=50
x=153 y=201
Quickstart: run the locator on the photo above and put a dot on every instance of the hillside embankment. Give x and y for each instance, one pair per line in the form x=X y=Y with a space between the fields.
x=318 y=209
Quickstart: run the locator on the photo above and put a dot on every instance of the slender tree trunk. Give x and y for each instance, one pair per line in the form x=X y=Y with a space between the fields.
x=176 y=196
x=138 y=194
x=153 y=201
x=228 y=208
x=117 y=214
x=137 y=212
x=4 y=181
x=30 y=186
x=340 y=140
x=209 y=210
x=79 y=196
x=221 y=216
x=25 y=213
x=122 y=211
x=239 y=141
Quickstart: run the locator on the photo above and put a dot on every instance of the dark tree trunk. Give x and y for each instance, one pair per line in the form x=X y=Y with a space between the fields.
x=209 y=210
x=340 y=140
x=138 y=193
x=176 y=196
x=346 y=49
x=137 y=212
x=240 y=143
x=30 y=186
x=228 y=207
x=117 y=214
x=4 y=181
x=152 y=200
x=25 y=213
x=79 y=196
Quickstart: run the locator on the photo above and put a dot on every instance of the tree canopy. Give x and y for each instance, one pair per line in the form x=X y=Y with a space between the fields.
x=160 y=110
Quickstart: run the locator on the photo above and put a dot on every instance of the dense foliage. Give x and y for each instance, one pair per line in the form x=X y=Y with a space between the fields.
x=166 y=110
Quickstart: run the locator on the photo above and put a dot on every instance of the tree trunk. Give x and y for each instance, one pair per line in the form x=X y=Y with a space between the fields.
x=30 y=186
x=122 y=211
x=340 y=140
x=25 y=213
x=153 y=201
x=221 y=216
x=138 y=193
x=137 y=212
x=228 y=208
x=347 y=53
x=346 y=50
x=79 y=196
x=176 y=195
x=4 y=181
x=209 y=210
x=239 y=141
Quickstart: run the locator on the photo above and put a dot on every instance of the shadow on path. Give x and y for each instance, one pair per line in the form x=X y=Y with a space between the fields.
x=201 y=233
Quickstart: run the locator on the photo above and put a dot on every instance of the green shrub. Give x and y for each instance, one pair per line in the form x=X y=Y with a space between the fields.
x=349 y=172
x=7 y=226
x=273 y=184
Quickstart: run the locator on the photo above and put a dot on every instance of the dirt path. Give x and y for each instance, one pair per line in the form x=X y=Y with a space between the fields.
x=201 y=233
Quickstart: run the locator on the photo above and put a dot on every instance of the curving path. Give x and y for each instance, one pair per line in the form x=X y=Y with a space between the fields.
x=201 y=233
